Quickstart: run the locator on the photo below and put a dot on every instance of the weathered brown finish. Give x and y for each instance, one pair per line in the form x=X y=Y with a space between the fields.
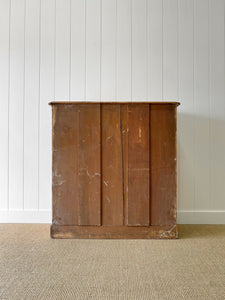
x=124 y=127
x=65 y=172
x=89 y=165
x=163 y=164
x=114 y=170
x=138 y=164
x=113 y=102
x=112 y=177
x=115 y=232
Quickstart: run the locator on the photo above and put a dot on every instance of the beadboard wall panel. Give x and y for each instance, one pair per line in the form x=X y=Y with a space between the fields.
x=186 y=179
x=93 y=50
x=123 y=50
x=16 y=105
x=217 y=102
x=62 y=49
x=31 y=104
x=111 y=50
x=78 y=50
x=47 y=91
x=108 y=49
x=5 y=10
x=155 y=49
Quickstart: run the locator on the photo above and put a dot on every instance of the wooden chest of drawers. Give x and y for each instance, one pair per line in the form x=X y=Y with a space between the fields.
x=114 y=170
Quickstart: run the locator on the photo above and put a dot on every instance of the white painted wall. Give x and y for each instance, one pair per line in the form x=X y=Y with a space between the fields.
x=111 y=50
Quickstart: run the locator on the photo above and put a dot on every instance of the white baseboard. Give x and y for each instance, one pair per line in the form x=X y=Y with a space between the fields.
x=26 y=216
x=45 y=216
x=201 y=217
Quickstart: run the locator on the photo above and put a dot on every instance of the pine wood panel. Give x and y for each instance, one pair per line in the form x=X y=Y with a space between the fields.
x=163 y=164
x=114 y=232
x=124 y=125
x=112 y=170
x=114 y=165
x=65 y=165
x=89 y=165
x=138 y=164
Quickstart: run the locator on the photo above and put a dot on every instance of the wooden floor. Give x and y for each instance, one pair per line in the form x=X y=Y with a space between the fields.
x=33 y=266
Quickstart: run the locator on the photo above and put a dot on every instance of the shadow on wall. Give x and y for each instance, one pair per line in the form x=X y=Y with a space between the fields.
x=201 y=162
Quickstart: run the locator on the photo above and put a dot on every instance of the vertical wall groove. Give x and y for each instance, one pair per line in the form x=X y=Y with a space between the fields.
x=39 y=89
x=162 y=50
x=70 y=53
x=100 y=67
x=194 y=108
x=8 y=101
x=24 y=70
x=131 y=45
x=85 y=42
x=54 y=47
x=210 y=108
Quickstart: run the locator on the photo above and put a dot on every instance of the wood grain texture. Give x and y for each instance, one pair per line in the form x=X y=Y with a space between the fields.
x=163 y=165
x=114 y=165
x=65 y=165
x=89 y=165
x=138 y=164
x=114 y=232
x=124 y=125
x=112 y=171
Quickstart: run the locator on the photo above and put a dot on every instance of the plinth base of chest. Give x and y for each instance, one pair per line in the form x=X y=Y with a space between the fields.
x=114 y=232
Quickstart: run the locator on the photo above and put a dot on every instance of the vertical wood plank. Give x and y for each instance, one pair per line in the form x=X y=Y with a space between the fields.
x=201 y=107
x=62 y=50
x=93 y=46
x=163 y=164
x=123 y=75
x=185 y=117
x=124 y=125
x=16 y=107
x=112 y=165
x=170 y=50
x=139 y=50
x=47 y=59
x=108 y=61
x=217 y=103
x=138 y=164
x=5 y=11
x=155 y=49
x=65 y=164
x=31 y=104
x=78 y=23
x=89 y=165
